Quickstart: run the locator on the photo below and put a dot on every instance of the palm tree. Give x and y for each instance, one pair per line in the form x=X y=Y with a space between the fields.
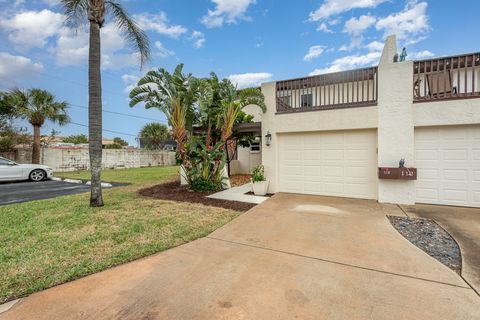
x=36 y=106
x=174 y=94
x=153 y=135
x=94 y=12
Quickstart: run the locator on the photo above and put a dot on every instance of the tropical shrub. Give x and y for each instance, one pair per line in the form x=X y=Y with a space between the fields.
x=76 y=139
x=11 y=137
x=258 y=173
x=207 y=163
x=208 y=103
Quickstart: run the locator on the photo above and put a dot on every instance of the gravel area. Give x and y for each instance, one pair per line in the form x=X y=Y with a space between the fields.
x=175 y=192
x=431 y=238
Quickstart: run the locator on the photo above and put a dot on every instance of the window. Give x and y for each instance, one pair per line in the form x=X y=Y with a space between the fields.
x=4 y=162
x=256 y=146
x=439 y=84
x=306 y=100
x=286 y=100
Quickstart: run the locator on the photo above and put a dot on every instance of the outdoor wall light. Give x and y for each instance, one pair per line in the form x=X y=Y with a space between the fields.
x=268 y=138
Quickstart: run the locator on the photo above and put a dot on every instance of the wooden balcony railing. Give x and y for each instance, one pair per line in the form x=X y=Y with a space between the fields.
x=455 y=77
x=347 y=89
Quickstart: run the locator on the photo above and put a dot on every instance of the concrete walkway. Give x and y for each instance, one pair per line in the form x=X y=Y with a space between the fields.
x=463 y=224
x=238 y=194
x=292 y=256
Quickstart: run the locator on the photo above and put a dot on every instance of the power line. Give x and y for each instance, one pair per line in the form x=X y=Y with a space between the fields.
x=120 y=113
x=106 y=130
x=107 y=111
x=74 y=82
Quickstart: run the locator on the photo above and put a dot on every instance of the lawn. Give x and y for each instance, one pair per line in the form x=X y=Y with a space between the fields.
x=48 y=242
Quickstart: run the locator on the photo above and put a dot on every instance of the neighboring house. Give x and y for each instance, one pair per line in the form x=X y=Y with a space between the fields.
x=331 y=132
x=170 y=145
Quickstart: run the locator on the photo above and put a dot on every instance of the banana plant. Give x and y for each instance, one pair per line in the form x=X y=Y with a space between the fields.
x=175 y=94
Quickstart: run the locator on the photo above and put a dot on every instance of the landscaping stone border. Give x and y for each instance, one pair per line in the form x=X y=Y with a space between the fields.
x=431 y=238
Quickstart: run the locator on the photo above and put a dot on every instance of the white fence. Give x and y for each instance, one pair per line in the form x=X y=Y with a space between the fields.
x=63 y=159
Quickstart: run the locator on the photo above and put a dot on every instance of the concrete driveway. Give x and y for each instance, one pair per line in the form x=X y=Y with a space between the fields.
x=293 y=256
x=464 y=225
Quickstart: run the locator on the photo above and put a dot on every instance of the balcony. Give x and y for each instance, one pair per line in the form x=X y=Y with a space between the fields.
x=347 y=89
x=447 y=78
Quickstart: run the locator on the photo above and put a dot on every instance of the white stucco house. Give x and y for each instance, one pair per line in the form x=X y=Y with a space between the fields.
x=331 y=133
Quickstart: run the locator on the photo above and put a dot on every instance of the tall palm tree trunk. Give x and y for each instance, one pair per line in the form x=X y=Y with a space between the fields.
x=36 y=144
x=95 y=115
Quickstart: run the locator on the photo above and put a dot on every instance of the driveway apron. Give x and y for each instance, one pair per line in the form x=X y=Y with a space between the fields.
x=293 y=256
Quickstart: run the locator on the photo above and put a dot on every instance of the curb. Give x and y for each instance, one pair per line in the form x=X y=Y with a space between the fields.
x=75 y=181
x=8 y=305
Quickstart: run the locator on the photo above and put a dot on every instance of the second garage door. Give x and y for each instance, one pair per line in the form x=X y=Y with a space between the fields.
x=448 y=161
x=337 y=163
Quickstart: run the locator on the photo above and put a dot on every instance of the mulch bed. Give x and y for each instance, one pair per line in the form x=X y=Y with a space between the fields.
x=268 y=195
x=175 y=192
x=431 y=238
x=237 y=180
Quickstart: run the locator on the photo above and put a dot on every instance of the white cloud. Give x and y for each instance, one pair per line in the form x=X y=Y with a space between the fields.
x=37 y=28
x=375 y=46
x=356 y=26
x=198 y=39
x=350 y=62
x=355 y=42
x=410 y=24
x=162 y=51
x=72 y=48
x=324 y=27
x=130 y=81
x=246 y=80
x=120 y=60
x=14 y=70
x=32 y=28
x=159 y=23
x=226 y=11
x=422 y=54
x=314 y=52
x=330 y=8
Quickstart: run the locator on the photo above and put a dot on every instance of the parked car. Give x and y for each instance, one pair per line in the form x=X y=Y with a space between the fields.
x=10 y=171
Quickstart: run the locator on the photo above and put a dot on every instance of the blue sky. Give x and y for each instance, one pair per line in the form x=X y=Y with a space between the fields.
x=249 y=41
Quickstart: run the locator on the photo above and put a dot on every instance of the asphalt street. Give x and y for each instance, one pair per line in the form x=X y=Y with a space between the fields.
x=16 y=192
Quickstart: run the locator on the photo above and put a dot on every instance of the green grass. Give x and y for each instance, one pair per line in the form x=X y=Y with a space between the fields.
x=48 y=242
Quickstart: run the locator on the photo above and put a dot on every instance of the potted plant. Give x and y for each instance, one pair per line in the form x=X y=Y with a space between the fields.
x=259 y=183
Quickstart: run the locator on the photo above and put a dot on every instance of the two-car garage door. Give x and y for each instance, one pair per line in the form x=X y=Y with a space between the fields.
x=336 y=163
x=448 y=162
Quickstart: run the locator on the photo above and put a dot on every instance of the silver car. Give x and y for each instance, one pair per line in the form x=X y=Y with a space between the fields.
x=10 y=171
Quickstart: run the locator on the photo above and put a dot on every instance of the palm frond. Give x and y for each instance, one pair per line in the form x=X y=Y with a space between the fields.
x=135 y=36
x=36 y=105
x=76 y=12
x=252 y=96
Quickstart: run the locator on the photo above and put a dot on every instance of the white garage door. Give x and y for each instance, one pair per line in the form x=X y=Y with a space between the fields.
x=448 y=161
x=337 y=163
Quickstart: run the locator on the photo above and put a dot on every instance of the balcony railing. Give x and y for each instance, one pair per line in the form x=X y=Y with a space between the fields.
x=455 y=77
x=347 y=89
